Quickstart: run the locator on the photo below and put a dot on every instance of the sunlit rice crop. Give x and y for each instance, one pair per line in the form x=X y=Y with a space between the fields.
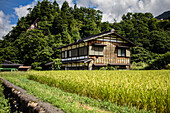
x=147 y=90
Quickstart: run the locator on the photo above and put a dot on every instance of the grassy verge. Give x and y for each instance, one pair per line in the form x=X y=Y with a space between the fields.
x=69 y=102
x=4 y=105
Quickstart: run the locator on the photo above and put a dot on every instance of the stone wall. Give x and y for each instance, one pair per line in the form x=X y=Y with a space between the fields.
x=24 y=103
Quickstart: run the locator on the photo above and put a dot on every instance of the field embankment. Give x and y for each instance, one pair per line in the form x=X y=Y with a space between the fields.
x=20 y=101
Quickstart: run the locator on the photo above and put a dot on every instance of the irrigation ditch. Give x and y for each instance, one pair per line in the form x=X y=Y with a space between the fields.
x=22 y=102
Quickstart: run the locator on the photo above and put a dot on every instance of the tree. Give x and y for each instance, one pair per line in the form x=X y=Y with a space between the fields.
x=159 y=41
x=57 y=64
x=30 y=44
x=56 y=6
x=9 y=53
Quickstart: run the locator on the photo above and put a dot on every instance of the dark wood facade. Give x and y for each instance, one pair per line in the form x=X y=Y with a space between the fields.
x=100 y=50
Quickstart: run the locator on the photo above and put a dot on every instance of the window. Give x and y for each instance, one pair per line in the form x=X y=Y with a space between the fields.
x=98 y=51
x=74 y=53
x=62 y=54
x=127 y=52
x=121 y=52
x=82 y=51
x=69 y=53
x=65 y=54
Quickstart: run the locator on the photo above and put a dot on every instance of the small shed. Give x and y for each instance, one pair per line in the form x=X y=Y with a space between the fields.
x=24 y=68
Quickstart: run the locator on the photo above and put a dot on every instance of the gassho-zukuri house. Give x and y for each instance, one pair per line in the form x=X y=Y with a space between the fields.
x=94 y=52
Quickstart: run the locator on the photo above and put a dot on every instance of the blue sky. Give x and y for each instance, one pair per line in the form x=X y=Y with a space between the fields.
x=11 y=10
x=7 y=6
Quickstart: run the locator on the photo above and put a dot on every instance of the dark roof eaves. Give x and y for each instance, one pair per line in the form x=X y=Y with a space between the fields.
x=84 y=39
x=97 y=35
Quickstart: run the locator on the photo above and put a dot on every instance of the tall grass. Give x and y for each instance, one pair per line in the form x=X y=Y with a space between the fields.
x=148 y=90
x=4 y=105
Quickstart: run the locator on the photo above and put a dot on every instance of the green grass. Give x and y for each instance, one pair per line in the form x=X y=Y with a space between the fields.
x=4 y=105
x=69 y=102
x=146 y=90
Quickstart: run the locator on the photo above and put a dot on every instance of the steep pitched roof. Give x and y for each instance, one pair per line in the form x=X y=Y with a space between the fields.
x=112 y=31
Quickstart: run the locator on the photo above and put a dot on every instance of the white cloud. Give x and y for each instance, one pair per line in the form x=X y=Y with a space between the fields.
x=60 y=2
x=22 y=10
x=114 y=9
x=5 y=25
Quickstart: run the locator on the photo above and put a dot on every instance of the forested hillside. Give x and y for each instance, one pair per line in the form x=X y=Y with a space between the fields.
x=47 y=26
x=164 y=15
x=152 y=35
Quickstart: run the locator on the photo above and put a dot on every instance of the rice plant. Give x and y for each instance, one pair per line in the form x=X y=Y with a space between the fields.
x=148 y=90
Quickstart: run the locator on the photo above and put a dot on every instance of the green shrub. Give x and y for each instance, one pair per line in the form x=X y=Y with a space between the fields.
x=138 y=66
x=102 y=68
x=161 y=62
x=57 y=64
x=38 y=68
x=139 y=54
x=4 y=105
x=36 y=65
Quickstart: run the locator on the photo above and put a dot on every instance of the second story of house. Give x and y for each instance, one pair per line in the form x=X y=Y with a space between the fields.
x=105 y=48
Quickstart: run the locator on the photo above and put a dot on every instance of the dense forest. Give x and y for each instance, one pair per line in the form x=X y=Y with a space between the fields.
x=55 y=26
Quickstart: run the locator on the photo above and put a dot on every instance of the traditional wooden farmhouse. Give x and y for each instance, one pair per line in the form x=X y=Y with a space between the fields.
x=94 y=52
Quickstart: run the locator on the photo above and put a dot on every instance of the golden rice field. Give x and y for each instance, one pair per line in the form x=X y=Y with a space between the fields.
x=148 y=90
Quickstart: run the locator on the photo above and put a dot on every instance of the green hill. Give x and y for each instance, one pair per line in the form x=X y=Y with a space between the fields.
x=164 y=15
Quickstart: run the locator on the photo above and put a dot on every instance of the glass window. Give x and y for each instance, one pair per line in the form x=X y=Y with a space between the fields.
x=74 y=53
x=62 y=55
x=82 y=51
x=85 y=50
x=96 y=51
x=69 y=53
x=65 y=54
x=121 y=52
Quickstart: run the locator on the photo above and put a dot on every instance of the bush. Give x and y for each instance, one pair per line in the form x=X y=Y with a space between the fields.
x=102 y=68
x=161 y=62
x=109 y=68
x=112 y=67
x=139 y=54
x=36 y=65
x=38 y=68
x=138 y=66
x=57 y=64
x=4 y=105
